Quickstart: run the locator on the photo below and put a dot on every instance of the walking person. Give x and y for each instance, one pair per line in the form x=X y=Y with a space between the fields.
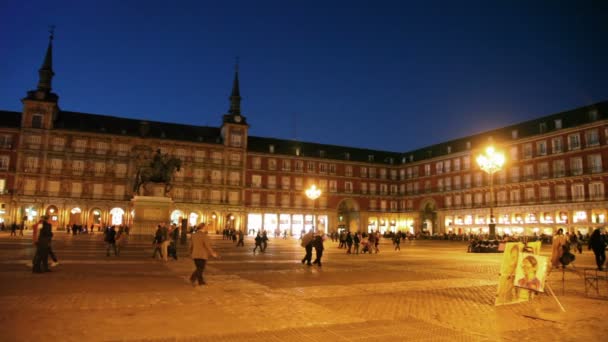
x=174 y=234
x=357 y=241
x=264 y=241
x=598 y=245
x=110 y=240
x=41 y=259
x=200 y=251
x=158 y=237
x=397 y=241
x=14 y=229
x=258 y=243
x=165 y=241
x=557 y=250
x=307 y=244
x=317 y=243
x=241 y=241
x=349 y=242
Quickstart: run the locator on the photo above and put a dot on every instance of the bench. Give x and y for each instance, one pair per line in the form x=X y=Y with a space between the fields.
x=593 y=279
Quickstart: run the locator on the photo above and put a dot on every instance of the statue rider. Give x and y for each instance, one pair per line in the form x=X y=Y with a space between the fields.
x=157 y=162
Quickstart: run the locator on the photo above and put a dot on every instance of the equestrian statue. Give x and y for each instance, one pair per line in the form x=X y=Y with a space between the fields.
x=160 y=170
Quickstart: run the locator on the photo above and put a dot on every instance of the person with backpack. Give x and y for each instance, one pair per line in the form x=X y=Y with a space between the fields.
x=307 y=244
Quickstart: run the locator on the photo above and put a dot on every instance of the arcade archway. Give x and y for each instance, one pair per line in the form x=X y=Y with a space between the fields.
x=348 y=215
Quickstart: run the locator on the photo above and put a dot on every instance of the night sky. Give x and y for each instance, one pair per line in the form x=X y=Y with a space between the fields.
x=387 y=75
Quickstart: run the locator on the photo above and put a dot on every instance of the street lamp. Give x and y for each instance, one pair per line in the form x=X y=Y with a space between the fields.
x=491 y=162
x=313 y=193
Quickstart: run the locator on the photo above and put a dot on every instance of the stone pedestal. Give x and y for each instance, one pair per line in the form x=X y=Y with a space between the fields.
x=149 y=211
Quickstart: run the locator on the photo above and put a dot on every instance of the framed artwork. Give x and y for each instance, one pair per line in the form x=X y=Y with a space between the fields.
x=531 y=272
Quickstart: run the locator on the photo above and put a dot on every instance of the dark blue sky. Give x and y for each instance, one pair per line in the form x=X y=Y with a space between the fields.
x=388 y=75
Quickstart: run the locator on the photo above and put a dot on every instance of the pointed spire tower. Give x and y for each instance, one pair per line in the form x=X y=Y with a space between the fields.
x=45 y=74
x=40 y=109
x=234 y=113
x=234 y=129
x=235 y=96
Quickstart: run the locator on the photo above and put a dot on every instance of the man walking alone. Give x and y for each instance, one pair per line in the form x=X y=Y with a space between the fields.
x=200 y=250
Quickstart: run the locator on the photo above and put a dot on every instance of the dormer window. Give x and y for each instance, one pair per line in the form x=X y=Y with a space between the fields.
x=411 y=157
x=403 y=160
x=271 y=148
x=297 y=151
x=514 y=134
x=370 y=157
x=37 y=121
x=449 y=149
x=347 y=156
x=593 y=115
x=542 y=127
x=322 y=154
x=558 y=123
x=468 y=145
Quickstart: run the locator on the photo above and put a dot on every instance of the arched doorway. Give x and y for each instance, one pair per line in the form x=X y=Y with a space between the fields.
x=428 y=217
x=75 y=216
x=193 y=219
x=230 y=221
x=95 y=219
x=213 y=224
x=53 y=214
x=117 y=216
x=176 y=217
x=348 y=215
x=30 y=215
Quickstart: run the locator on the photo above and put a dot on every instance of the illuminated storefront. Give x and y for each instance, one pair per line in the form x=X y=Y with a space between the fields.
x=290 y=223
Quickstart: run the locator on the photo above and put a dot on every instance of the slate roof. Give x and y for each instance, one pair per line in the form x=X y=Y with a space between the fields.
x=95 y=123
x=10 y=119
x=84 y=122
x=526 y=129
x=307 y=149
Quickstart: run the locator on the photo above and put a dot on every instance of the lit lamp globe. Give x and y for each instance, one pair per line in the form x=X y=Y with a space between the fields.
x=491 y=162
x=313 y=193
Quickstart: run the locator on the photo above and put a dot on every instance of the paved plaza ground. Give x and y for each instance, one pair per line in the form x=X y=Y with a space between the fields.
x=428 y=291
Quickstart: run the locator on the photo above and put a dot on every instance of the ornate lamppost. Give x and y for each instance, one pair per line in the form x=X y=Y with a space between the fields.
x=313 y=193
x=491 y=162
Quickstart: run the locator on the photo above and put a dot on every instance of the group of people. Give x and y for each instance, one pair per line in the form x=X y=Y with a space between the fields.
x=165 y=241
x=312 y=240
x=42 y=235
x=562 y=243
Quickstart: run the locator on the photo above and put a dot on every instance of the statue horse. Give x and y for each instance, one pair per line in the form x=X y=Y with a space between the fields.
x=161 y=174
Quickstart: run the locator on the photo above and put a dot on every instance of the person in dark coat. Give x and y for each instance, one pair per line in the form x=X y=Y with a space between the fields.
x=598 y=245
x=258 y=243
x=317 y=243
x=110 y=240
x=41 y=259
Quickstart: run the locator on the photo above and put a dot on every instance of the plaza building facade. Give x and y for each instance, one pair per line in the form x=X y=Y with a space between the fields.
x=79 y=168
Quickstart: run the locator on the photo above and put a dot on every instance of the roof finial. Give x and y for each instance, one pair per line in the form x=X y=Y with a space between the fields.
x=236 y=66
x=52 y=32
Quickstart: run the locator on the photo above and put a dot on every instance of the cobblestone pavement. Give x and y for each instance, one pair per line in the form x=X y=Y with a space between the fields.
x=428 y=291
